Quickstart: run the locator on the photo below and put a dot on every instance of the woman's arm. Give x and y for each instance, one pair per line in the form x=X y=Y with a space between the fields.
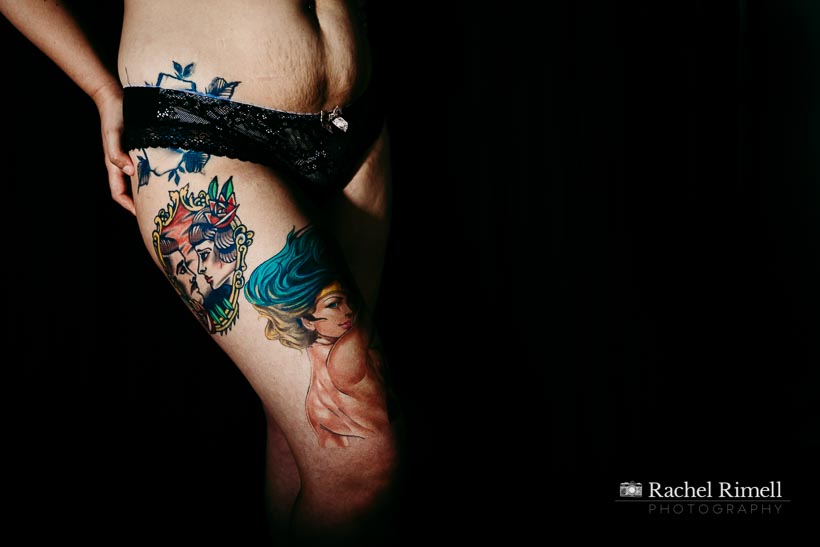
x=54 y=30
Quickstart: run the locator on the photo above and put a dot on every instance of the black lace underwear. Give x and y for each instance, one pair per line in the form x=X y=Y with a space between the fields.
x=321 y=152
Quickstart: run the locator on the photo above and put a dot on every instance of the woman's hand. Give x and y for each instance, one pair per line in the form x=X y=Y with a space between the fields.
x=117 y=162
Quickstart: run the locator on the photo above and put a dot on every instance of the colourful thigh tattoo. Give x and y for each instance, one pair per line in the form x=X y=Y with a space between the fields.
x=310 y=305
x=201 y=245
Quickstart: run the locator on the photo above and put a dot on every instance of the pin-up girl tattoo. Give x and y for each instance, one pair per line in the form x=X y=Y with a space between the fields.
x=309 y=305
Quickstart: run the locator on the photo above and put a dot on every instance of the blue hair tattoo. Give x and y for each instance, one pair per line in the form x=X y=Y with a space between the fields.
x=284 y=288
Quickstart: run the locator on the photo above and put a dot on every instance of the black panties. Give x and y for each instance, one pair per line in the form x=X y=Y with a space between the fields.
x=313 y=149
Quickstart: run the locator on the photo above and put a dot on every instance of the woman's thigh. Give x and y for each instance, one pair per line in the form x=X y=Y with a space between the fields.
x=256 y=265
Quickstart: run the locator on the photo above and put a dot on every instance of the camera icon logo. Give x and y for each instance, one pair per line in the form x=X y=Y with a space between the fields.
x=631 y=489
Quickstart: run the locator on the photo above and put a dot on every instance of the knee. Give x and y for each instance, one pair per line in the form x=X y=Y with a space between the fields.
x=371 y=484
x=358 y=494
x=366 y=481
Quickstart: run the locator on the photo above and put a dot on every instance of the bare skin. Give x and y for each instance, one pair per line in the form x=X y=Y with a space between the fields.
x=288 y=55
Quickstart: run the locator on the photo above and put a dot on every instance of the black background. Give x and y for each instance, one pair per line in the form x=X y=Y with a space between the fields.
x=604 y=267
